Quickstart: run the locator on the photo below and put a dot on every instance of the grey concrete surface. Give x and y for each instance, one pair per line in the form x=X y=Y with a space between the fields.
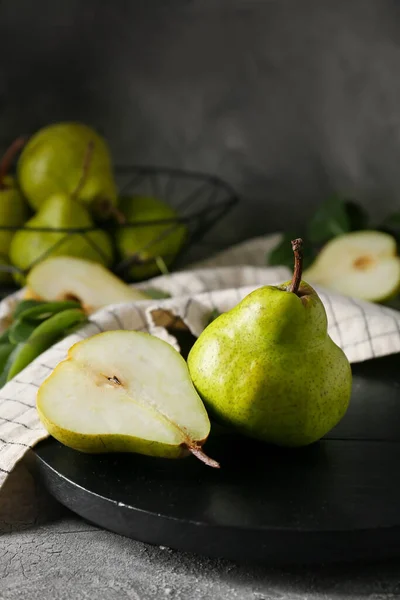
x=286 y=99
x=47 y=553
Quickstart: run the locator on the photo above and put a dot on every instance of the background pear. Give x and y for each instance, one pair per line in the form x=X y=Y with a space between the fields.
x=14 y=210
x=149 y=241
x=362 y=264
x=63 y=277
x=59 y=211
x=269 y=369
x=51 y=162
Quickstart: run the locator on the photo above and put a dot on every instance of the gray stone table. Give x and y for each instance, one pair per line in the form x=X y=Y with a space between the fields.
x=47 y=553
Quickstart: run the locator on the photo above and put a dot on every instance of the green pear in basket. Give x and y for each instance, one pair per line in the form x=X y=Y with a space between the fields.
x=53 y=232
x=152 y=245
x=14 y=210
x=51 y=163
x=59 y=215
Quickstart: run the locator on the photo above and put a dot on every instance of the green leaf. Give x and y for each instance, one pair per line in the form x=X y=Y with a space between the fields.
x=392 y=303
x=21 y=330
x=45 y=335
x=7 y=366
x=391 y=223
x=25 y=305
x=282 y=254
x=358 y=216
x=156 y=294
x=4 y=336
x=330 y=220
x=5 y=351
x=213 y=315
x=47 y=310
x=161 y=265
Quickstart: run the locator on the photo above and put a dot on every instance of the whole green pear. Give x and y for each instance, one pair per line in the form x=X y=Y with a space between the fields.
x=59 y=211
x=149 y=242
x=52 y=160
x=13 y=213
x=14 y=210
x=269 y=369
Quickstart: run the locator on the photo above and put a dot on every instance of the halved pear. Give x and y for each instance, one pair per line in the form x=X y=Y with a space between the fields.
x=125 y=391
x=362 y=264
x=92 y=284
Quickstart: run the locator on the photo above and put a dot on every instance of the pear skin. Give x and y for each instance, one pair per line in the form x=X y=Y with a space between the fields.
x=149 y=241
x=269 y=369
x=59 y=211
x=14 y=210
x=51 y=163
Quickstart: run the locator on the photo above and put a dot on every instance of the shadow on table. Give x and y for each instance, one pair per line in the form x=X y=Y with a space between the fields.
x=24 y=503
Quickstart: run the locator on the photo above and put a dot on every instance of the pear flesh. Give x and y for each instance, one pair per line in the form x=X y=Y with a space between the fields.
x=124 y=391
x=92 y=284
x=269 y=369
x=362 y=264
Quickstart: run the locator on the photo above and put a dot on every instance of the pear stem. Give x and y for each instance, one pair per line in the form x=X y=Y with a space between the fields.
x=106 y=210
x=85 y=169
x=118 y=215
x=297 y=247
x=198 y=453
x=8 y=157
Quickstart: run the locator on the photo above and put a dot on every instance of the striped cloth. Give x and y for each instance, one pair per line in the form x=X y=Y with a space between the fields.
x=363 y=330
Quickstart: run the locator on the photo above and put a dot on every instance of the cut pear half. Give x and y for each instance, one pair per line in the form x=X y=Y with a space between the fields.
x=92 y=284
x=125 y=391
x=361 y=264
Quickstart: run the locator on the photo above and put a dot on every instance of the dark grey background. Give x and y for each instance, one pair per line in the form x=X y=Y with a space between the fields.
x=286 y=99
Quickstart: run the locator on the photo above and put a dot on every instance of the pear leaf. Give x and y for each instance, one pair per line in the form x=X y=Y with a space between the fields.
x=21 y=330
x=45 y=335
x=4 y=339
x=25 y=305
x=358 y=216
x=5 y=351
x=8 y=363
x=392 y=223
x=156 y=294
x=48 y=309
x=213 y=315
x=330 y=220
x=393 y=303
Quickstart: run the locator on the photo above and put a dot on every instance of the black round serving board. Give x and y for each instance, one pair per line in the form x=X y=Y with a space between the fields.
x=338 y=499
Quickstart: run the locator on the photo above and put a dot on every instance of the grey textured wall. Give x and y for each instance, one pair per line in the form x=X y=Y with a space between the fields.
x=286 y=99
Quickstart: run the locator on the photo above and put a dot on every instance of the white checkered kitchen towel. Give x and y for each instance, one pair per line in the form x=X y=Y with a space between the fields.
x=363 y=330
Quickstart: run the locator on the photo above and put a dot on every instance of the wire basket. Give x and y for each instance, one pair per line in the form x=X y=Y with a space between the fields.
x=199 y=200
